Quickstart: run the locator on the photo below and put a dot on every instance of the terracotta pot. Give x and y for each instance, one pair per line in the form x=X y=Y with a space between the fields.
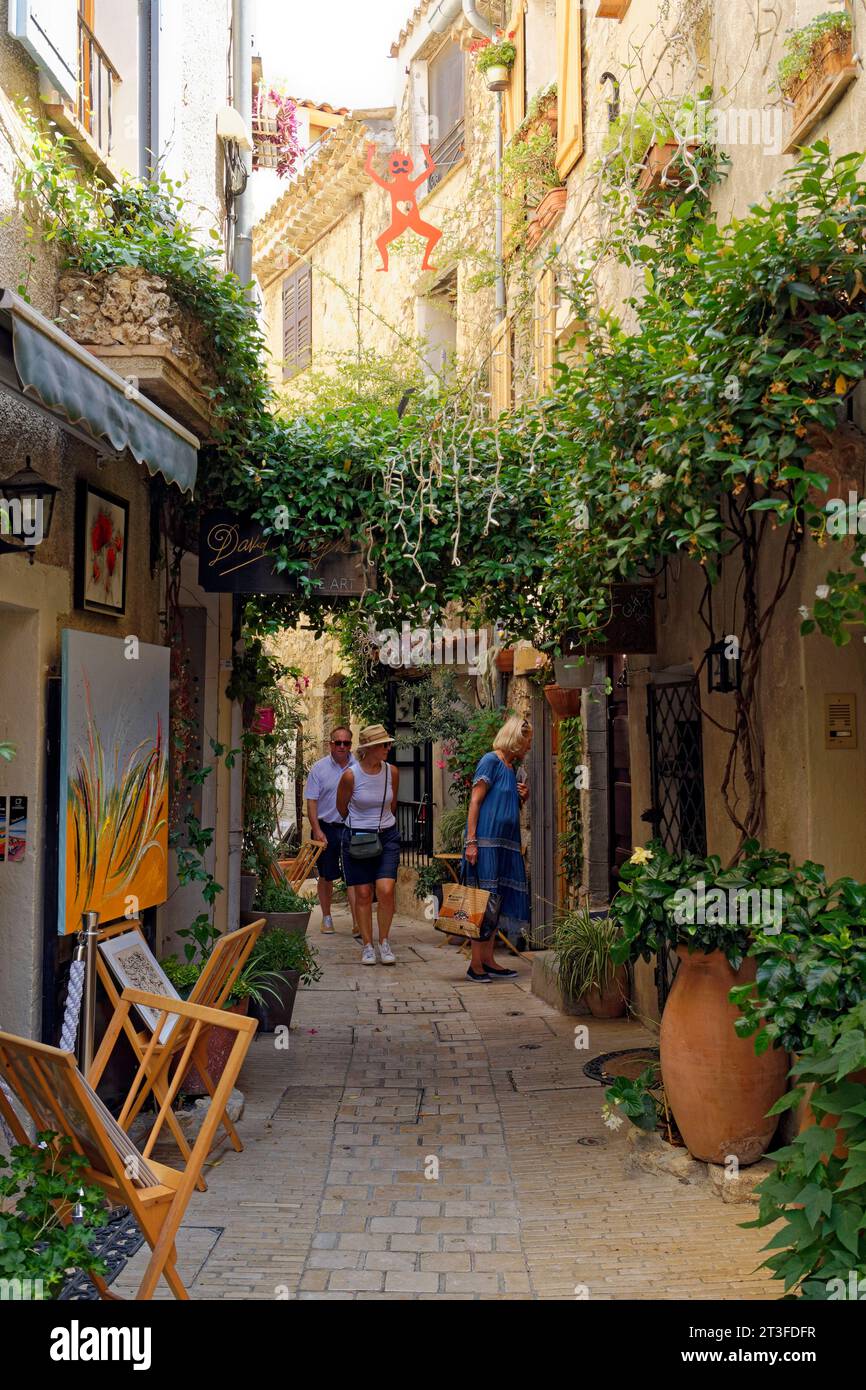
x=505 y=661
x=806 y=1116
x=612 y=9
x=718 y=1089
x=219 y=1045
x=544 y=216
x=612 y=1001
x=564 y=703
x=834 y=54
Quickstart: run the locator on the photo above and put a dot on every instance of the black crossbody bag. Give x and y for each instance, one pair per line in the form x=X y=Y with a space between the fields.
x=367 y=844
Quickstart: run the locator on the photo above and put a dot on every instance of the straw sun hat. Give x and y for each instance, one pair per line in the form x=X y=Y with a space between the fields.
x=372 y=735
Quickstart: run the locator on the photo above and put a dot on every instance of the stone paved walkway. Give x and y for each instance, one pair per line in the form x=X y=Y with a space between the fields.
x=394 y=1072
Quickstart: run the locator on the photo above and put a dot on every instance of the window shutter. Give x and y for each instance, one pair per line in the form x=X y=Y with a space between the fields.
x=500 y=368
x=305 y=318
x=290 y=326
x=569 y=86
x=514 y=105
x=545 y=330
x=48 y=29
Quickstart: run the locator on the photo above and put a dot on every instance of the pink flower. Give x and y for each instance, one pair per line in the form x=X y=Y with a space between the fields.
x=439 y=762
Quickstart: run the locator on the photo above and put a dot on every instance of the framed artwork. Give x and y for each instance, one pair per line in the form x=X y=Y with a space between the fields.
x=133 y=967
x=113 y=778
x=101 y=537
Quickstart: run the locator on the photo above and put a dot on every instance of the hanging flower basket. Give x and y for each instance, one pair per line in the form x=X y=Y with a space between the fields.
x=564 y=703
x=275 y=133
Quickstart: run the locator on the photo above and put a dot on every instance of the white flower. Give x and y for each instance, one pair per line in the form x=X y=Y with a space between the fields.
x=803 y=611
x=657 y=480
x=822 y=591
x=614 y=1121
x=863 y=558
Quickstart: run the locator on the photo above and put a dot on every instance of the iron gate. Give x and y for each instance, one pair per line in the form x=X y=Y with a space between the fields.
x=678 y=813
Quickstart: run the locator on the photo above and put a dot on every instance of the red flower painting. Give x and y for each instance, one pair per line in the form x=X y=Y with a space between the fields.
x=104 y=535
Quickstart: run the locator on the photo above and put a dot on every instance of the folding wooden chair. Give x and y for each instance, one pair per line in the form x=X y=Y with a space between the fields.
x=295 y=872
x=52 y=1091
x=166 y=1031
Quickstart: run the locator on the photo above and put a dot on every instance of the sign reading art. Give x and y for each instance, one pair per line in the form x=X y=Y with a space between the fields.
x=113 y=778
x=236 y=557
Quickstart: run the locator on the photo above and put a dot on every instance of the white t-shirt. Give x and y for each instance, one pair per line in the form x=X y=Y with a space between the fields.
x=321 y=787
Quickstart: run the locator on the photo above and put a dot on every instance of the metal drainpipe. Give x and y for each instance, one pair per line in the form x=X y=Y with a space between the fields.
x=486 y=28
x=242 y=100
x=242 y=265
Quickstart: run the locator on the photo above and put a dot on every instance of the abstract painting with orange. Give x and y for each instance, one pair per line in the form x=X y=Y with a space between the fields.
x=114 y=778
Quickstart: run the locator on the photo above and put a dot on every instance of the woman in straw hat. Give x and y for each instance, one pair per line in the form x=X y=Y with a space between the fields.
x=367 y=802
x=492 y=854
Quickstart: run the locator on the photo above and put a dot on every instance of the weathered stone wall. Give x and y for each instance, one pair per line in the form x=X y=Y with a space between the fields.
x=129 y=307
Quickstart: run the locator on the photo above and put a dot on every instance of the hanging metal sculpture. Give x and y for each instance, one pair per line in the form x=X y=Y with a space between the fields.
x=402 y=188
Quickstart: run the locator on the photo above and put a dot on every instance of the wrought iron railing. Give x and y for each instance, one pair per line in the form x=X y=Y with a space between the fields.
x=449 y=151
x=415 y=823
x=97 y=77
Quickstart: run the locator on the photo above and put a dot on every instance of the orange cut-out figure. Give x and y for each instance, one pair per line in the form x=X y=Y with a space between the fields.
x=404 y=203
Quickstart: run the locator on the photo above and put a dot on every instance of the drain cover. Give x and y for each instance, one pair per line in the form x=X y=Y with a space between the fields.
x=630 y=1062
x=589 y=1143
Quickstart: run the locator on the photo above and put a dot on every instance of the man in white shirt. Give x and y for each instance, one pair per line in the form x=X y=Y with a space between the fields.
x=326 y=823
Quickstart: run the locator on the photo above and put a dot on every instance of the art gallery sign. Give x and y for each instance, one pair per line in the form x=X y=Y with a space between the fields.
x=236 y=557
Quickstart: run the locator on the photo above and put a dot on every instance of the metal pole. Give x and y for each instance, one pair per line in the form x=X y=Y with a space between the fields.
x=87 y=1032
x=242 y=99
x=500 y=275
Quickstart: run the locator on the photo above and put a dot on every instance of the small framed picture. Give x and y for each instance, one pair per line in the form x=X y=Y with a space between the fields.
x=133 y=967
x=101 y=537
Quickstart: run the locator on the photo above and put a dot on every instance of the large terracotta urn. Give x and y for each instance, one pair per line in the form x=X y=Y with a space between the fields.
x=718 y=1089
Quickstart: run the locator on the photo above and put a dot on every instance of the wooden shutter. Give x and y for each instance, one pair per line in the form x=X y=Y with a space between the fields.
x=297 y=322
x=48 y=29
x=545 y=330
x=500 y=368
x=305 y=318
x=514 y=105
x=570 y=88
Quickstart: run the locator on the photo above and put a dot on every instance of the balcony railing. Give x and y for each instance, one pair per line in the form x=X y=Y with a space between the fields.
x=447 y=153
x=97 y=77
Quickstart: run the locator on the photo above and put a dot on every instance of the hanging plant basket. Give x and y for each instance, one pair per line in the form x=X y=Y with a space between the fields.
x=564 y=703
x=264 y=720
x=661 y=167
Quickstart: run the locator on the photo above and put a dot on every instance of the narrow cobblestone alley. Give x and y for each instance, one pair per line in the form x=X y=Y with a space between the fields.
x=389 y=1068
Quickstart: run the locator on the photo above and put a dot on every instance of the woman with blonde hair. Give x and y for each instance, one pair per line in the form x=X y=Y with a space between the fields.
x=492 y=852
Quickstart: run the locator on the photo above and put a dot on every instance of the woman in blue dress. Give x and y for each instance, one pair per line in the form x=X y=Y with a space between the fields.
x=492 y=850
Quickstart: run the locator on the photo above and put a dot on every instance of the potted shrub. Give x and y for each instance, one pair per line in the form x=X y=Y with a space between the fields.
x=495 y=62
x=583 y=942
x=530 y=179
x=281 y=907
x=39 y=1190
x=183 y=975
x=286 y=959
x=429 y=881
x=720 y=1092
x=819 y=51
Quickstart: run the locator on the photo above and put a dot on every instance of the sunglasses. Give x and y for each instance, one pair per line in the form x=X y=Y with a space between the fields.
x=342 y=742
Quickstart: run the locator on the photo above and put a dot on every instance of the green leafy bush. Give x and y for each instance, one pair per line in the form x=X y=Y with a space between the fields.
x=281 y=897
x=429 y=878
x=281 y=950
x=641 y=1099
x=38 y=1190
x=451 y=826
x=819 y=1195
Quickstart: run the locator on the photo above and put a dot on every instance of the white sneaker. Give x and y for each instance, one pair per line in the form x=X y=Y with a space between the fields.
x=328 y=925
x=386 y=955
x=368 y=956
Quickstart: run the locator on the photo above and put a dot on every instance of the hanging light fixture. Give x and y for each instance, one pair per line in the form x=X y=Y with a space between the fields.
x=723 y=668
x=28 y=498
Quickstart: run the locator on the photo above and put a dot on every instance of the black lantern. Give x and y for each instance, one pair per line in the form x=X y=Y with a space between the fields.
x=35 y=498
x=723 y=666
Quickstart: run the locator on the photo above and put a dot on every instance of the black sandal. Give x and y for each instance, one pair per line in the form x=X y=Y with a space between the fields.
x=502 y=971
x=483 y=979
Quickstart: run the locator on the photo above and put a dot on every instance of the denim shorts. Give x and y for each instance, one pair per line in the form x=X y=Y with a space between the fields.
x=328 y=863
x=357 y=871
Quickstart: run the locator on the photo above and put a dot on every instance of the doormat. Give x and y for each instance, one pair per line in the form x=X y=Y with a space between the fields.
x=630 y=1062
x=116 y=1243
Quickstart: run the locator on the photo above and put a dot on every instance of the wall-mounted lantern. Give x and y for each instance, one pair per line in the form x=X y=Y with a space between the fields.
x=26 y=509
x=723 y=667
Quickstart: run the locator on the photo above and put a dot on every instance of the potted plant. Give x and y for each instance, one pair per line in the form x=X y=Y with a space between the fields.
x=40 y=1187
x=583 y=942
x=495 y=62
x=814 y=54
x=280 y=961
x=564 y=703
x=281 y=906
x=505 y=661
x=530 y=179
x=183 y=975
x=720 y=1092
x=428 y=883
